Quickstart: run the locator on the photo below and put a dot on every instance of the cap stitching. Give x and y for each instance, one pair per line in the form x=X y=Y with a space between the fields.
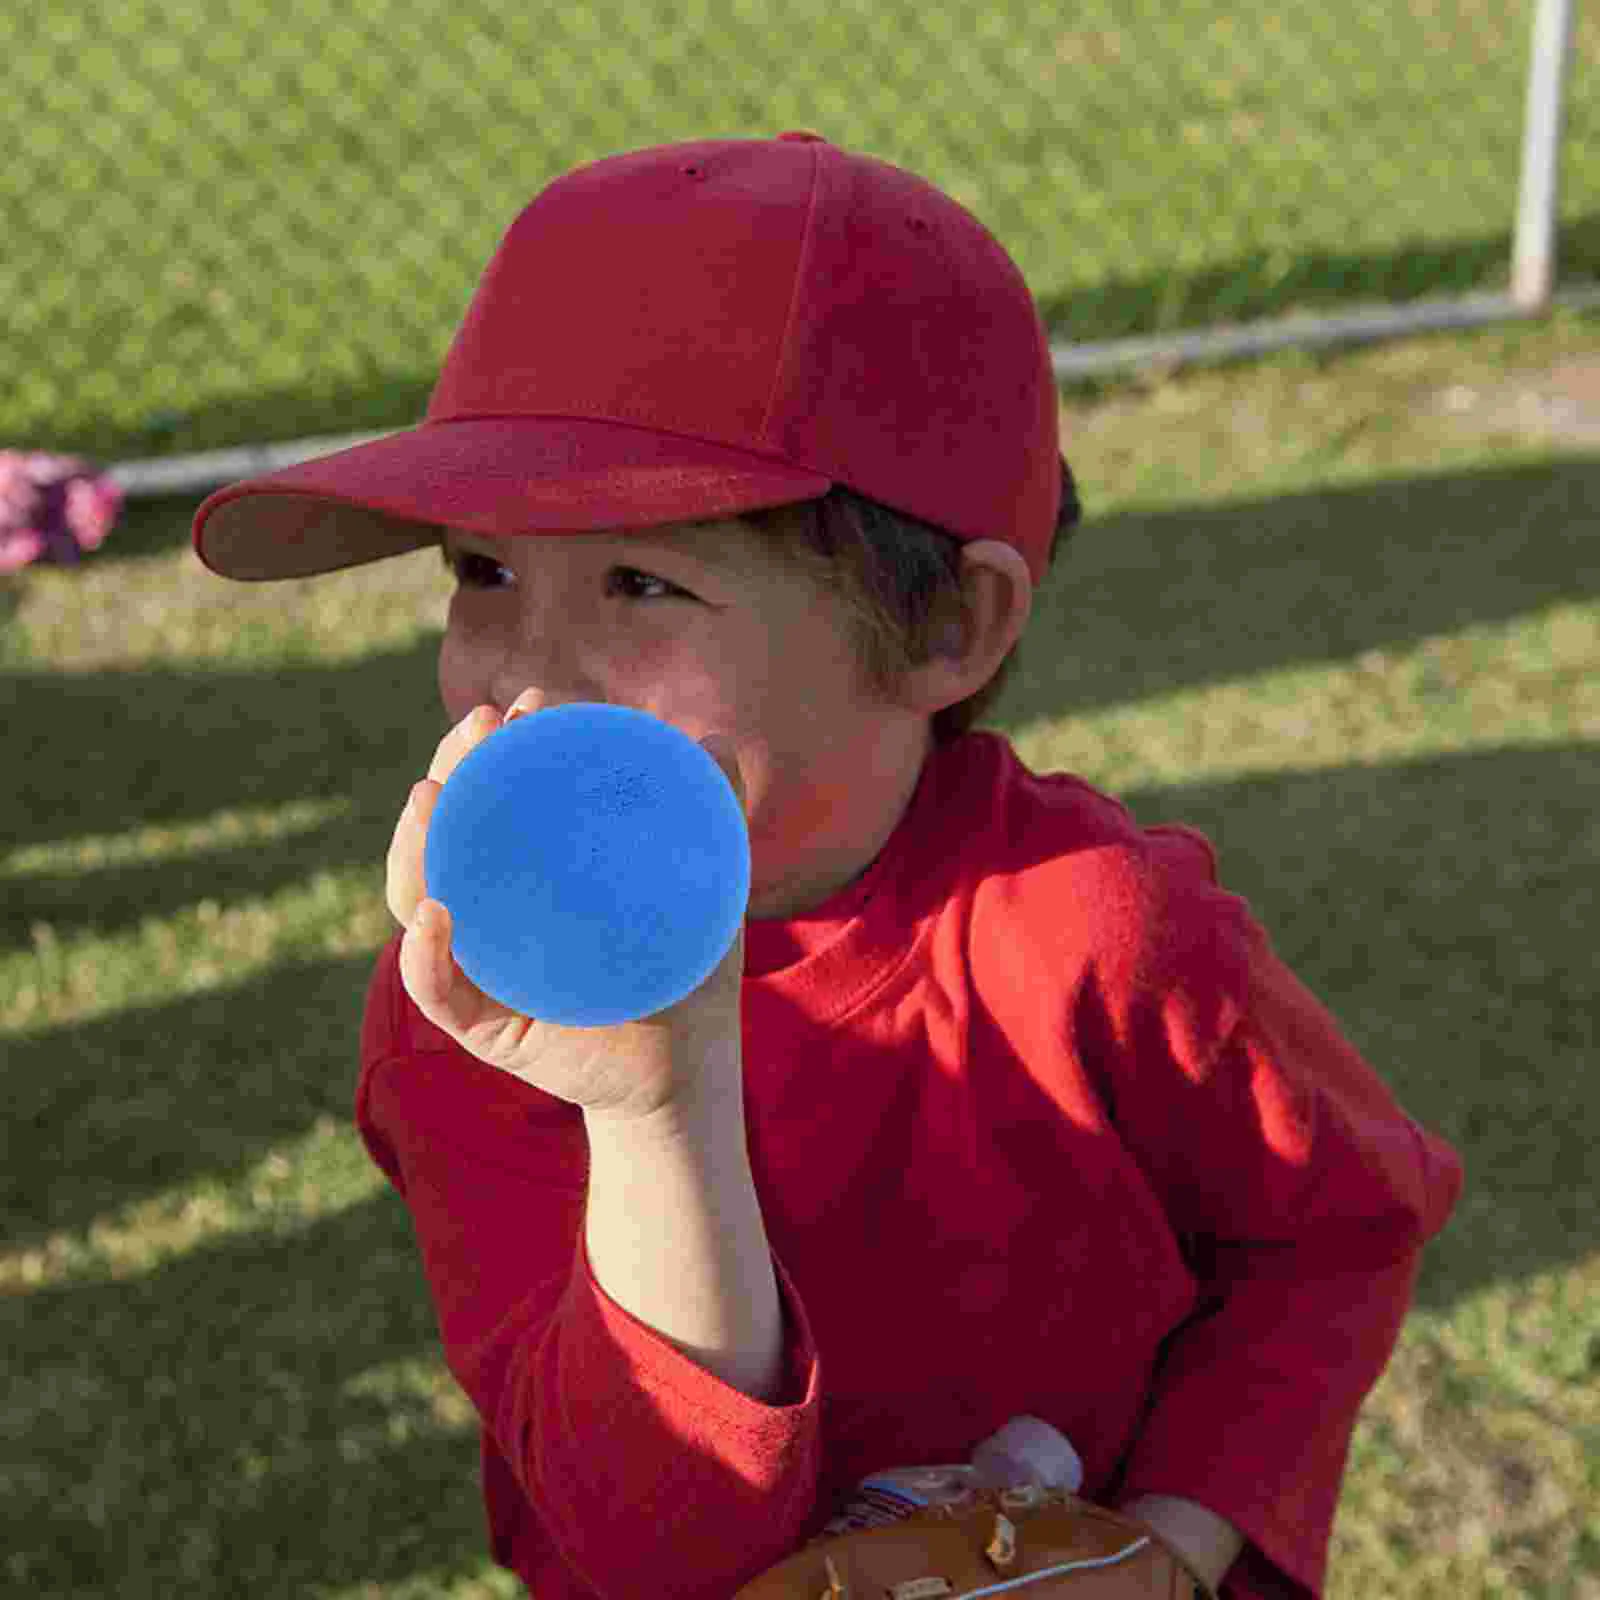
x=644 y=420
x=793 y=317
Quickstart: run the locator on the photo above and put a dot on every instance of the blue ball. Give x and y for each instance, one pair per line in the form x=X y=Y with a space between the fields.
x=595 y=862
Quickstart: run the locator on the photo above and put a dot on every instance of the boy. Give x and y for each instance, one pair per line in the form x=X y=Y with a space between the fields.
x=1000 y=1105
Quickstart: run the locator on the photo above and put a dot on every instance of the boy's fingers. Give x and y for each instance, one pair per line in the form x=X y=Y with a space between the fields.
x=404 y=883
x=471 y=730
x=404 y=880
x=426 y=965
x=442 y=992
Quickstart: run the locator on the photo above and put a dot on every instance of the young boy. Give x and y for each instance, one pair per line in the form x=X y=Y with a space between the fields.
x=1000 y=1105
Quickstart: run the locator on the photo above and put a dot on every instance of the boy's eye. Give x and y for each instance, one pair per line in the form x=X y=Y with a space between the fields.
x=474 y=570
x=632 y=584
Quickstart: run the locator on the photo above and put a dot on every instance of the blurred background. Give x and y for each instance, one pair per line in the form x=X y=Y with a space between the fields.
x=1337 y=606
x=229 y=224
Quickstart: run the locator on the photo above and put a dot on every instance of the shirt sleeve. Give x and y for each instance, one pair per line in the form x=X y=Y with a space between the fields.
x=1302 y=1194
x=635 y=1461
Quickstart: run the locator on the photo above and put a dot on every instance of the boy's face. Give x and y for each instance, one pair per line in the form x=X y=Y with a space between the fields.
x=703 y=626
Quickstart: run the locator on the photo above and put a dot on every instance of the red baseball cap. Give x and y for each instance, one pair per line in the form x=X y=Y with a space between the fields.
x=691 y=331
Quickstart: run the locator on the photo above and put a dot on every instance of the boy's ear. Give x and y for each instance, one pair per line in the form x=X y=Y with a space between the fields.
x=997 y=598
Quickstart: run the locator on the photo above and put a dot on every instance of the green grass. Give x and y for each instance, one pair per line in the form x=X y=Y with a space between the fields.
x=253 y=222
x=1355 y=643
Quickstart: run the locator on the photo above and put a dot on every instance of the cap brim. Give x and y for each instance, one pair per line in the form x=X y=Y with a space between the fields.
x=494 y=475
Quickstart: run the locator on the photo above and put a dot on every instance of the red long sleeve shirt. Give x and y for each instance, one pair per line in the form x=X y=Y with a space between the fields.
x=1039 y=1124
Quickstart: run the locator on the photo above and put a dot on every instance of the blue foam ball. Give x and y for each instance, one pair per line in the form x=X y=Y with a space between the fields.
x=595 y=862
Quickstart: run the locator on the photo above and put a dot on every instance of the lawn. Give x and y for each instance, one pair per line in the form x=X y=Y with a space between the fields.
x=1312 y=613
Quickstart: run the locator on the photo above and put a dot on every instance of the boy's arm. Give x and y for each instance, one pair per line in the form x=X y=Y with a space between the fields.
x=675 y=1235
x=1304 y=1195
x=589 y=1409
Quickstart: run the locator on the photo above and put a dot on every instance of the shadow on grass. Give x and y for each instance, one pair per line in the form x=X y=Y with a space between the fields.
x=109 y=751
x=193 y=1429
x=202 y=1429
x=1253 y=285
x=1143 y=605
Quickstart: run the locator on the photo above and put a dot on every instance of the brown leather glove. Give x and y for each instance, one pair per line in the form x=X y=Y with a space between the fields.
x=1032 y=1543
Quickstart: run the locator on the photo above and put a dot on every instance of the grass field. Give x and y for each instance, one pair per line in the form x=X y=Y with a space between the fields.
x=1311 y=613
x=260 y=221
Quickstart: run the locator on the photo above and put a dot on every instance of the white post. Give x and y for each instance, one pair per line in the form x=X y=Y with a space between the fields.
x=1533 y=266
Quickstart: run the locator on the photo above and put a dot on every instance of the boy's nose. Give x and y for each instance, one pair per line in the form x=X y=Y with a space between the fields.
x=539 y=664
x=536 y=677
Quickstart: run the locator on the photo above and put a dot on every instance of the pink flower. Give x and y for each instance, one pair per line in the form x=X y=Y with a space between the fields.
x=52 y=508
x=19 y=546
x=92 y=507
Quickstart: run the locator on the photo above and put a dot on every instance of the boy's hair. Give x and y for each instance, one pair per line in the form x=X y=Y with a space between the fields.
x=899 y=581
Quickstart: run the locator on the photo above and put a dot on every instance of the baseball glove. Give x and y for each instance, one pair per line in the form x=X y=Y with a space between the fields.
x=1032 y=1542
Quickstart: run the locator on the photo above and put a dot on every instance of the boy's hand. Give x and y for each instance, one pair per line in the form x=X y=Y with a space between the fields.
x=623 y=1071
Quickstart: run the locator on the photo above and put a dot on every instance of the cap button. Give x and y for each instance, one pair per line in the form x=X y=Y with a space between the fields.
x=802 y=136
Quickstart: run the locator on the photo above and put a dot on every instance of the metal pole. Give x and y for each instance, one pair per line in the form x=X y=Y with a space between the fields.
x=1533 y=266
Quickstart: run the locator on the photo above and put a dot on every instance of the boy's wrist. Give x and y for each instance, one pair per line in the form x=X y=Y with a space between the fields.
x=694 y=1104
